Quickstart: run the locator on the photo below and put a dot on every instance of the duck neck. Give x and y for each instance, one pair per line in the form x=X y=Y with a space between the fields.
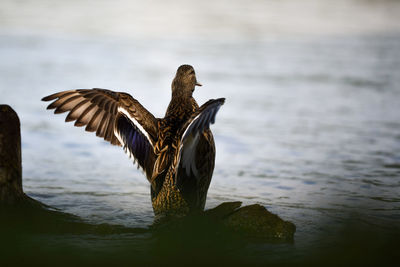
x=181 y=104
x=182 y=93
x=181 y=90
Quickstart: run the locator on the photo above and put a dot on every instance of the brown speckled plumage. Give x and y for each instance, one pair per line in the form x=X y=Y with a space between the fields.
x=177 y=152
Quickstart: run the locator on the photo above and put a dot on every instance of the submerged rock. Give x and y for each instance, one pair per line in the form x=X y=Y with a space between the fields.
x=256 y=221
x=253 y=221
x=223 y=210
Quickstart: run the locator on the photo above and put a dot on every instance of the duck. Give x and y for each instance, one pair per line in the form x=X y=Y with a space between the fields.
x=176 y=153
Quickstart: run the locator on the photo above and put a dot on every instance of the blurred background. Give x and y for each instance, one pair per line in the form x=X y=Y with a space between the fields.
x=310 y=128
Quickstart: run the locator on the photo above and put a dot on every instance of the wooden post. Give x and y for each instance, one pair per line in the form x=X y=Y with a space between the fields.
x=15 y=206
x=10 y=157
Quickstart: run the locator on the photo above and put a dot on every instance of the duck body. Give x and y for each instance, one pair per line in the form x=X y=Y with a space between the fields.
x=192 y=184
x=176 y=153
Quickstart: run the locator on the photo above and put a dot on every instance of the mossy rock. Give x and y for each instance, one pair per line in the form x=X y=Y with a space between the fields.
x=256 y=221
x=253 y=221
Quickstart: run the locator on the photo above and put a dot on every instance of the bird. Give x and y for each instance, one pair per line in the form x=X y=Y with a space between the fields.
x=176 y=152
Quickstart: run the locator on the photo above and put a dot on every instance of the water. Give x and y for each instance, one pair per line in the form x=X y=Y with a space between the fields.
x=310 y=128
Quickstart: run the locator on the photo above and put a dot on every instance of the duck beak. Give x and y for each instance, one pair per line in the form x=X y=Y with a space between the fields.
x=198 y=84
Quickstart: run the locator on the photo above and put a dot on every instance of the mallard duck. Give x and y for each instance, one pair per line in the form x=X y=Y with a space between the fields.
x=176 y=153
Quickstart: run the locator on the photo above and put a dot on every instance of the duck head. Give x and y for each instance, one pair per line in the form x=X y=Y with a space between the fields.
x=185 y=80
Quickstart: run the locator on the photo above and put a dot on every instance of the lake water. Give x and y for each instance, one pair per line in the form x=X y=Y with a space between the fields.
x=310 y=128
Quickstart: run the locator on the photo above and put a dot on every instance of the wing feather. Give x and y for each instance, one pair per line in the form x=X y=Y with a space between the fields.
x=76 y=112
x=67 y=104
x=94 y=121
x=86 y=115
x=116 y=117
x=103 y=124
x=199 y=122
x=202 y=118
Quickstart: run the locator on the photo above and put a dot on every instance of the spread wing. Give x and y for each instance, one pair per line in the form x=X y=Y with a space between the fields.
x=195 y=127
x=116 y=117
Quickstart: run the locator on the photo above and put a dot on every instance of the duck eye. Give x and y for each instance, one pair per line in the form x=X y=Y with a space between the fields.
x=192 y=72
